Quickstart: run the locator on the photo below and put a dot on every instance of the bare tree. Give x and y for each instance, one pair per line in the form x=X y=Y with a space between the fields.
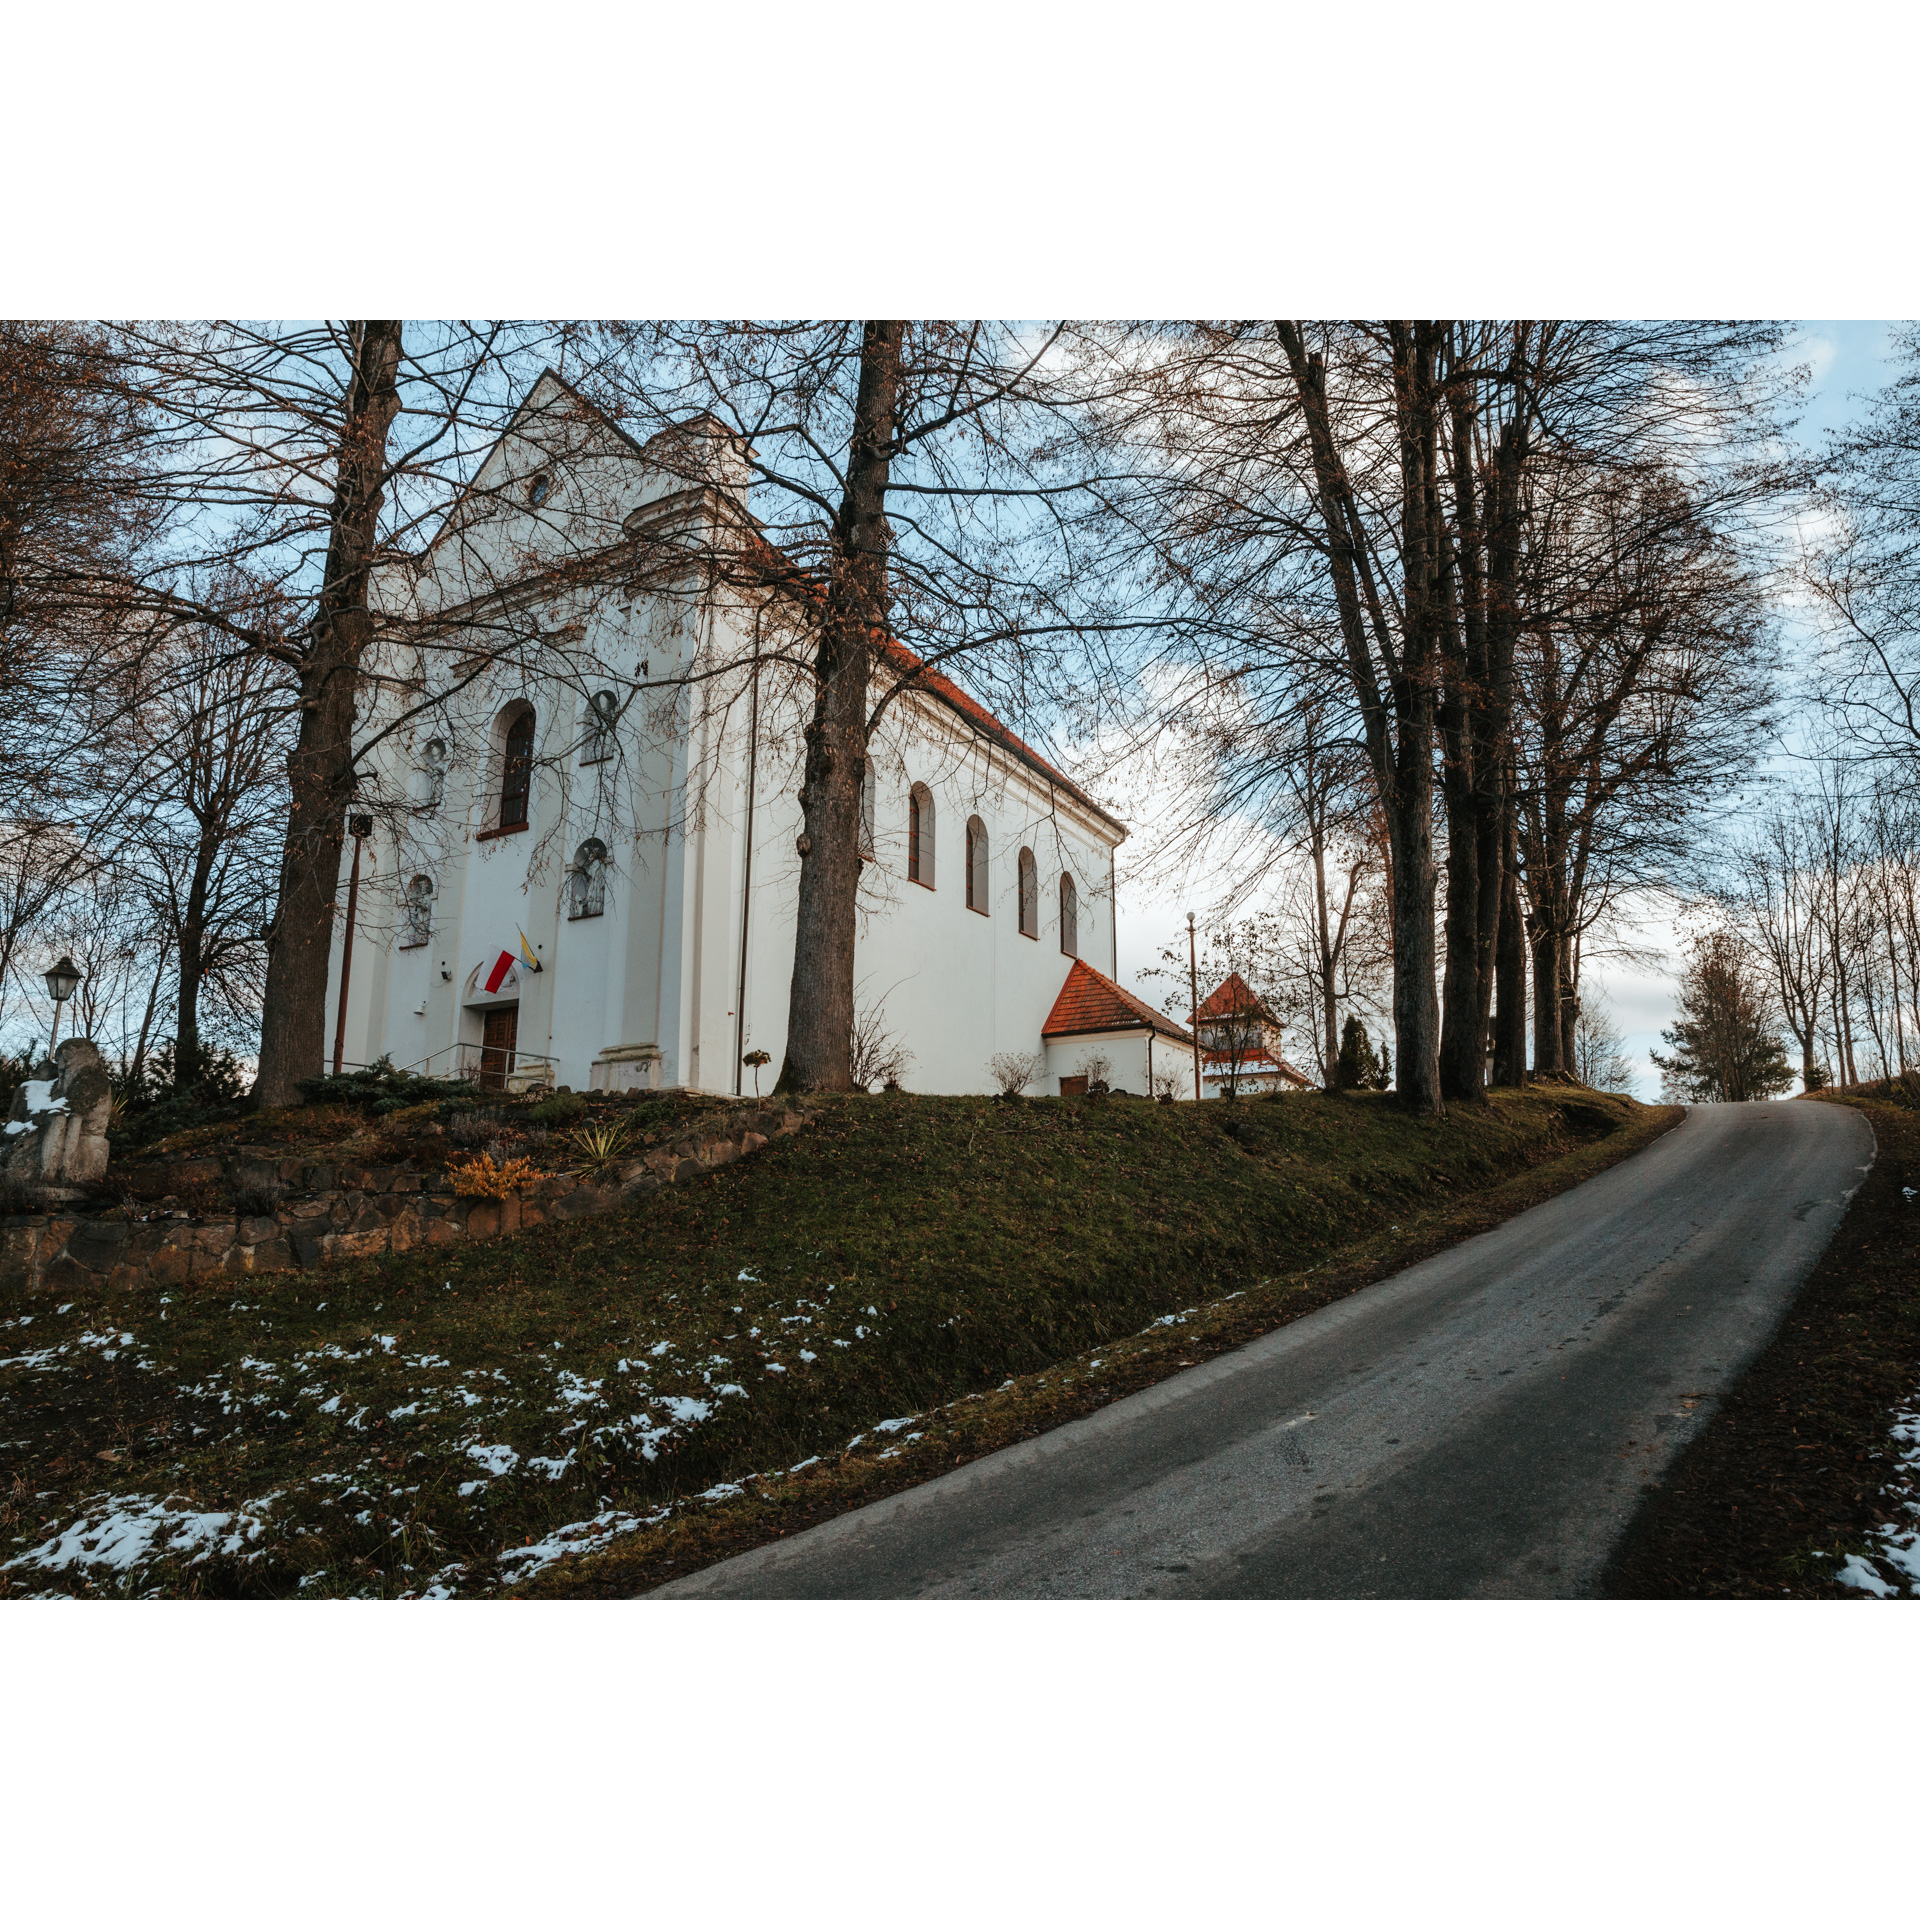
x=1359 y=497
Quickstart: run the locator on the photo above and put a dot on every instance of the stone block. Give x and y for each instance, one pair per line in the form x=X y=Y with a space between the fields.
x=255 y=1228
x=169 y=1265
x=686 y=1171
x=95 y=1244
x=483 y=1219
x=753 y=1142
x=440 y=1233
x=354 y=1246
x=306 y=1249
x=270 y=1256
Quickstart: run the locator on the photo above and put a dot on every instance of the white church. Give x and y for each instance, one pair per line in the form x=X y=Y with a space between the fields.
x=577 y=860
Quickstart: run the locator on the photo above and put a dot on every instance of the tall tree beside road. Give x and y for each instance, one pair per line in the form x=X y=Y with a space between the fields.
x=1365 y=497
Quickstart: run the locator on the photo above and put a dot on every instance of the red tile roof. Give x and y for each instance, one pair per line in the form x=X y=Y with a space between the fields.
x=781 y=571
x=1231 y=996
x=1091 y=1003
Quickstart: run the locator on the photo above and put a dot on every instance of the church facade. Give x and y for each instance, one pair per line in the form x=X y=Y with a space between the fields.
x=581 y=864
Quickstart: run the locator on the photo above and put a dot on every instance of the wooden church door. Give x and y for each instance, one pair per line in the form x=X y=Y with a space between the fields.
x=497 y=1042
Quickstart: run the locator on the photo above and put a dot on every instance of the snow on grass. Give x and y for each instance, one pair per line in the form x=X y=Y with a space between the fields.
x=1894 y=1547
x=117 y=1533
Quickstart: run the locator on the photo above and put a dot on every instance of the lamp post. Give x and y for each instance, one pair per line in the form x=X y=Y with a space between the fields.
x=359 y=825
x=1193 y=994
x=62 y=977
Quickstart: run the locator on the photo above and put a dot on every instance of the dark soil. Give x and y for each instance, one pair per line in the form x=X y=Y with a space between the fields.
x=1788 y=1476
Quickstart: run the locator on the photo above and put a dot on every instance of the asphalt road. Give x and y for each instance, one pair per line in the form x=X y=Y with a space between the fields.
x=1479 y=1425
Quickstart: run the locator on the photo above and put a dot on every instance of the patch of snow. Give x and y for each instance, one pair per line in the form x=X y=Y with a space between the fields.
x=578 y=1536
x=1857 y=1573
x=496 y=1460
x=119 y=1532
x=552 y=1468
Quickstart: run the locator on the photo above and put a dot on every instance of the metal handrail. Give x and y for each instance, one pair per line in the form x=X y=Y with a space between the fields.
x=468 y=1062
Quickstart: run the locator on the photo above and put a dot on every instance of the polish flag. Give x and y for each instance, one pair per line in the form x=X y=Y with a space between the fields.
x=501 y=968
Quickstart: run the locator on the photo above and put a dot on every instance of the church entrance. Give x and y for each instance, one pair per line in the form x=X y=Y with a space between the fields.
x=497 y=1042
x=1072 y=1084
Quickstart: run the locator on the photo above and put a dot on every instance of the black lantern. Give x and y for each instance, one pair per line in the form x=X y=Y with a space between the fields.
x=62 y=977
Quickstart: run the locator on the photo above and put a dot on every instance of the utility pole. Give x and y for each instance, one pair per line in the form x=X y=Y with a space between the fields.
x=359 y=825
x=1193 y=996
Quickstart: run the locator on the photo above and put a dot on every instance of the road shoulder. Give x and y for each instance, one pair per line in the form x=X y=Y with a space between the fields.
x=1794 y=1473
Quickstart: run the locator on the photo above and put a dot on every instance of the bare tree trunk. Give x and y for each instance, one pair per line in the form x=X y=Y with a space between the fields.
x=1510 y=957
x=190 y=949
x=1399 y=734
x=820 y=1007
x=320 y=768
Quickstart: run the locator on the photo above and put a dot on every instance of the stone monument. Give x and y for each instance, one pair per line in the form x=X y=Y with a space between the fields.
x=57 y=1131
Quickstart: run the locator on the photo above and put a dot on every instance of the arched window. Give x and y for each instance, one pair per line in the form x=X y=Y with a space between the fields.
x=976 y=865
x=587 y=881
x=866 y=813
x=416 y=928
x=1069 y=916
x=603 y=708
x=538 y=489
x=920 y=836
x=433 y=772
x=1029 y=895
x=516 y=770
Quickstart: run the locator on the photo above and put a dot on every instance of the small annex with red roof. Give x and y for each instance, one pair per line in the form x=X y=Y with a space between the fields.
x=1096 y=1022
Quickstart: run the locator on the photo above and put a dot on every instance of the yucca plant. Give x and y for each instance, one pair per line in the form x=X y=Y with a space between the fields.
x=598 y=1149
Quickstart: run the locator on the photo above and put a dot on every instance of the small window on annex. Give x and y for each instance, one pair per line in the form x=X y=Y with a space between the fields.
x=976 y=865
x=587 y=881
x=1069 y=916
x=416 y=926
x=539 y=488
x=516 y=769
x=1029 y=894
x=603 y=709
x=920 y=836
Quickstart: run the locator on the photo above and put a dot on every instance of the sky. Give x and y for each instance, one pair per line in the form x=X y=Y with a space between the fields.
x=1847 y=361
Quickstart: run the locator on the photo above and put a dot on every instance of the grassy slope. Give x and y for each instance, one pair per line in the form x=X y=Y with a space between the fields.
x=898 y=1255
x=1791 y=1474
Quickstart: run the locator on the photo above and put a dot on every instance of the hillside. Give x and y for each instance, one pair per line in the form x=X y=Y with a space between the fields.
x=904 y=1282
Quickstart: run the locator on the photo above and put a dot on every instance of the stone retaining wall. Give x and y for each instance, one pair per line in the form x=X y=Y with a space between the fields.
x=346 y=1213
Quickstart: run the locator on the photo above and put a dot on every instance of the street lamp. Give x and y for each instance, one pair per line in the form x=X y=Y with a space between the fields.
x=1193 y=996
x=62 y=977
